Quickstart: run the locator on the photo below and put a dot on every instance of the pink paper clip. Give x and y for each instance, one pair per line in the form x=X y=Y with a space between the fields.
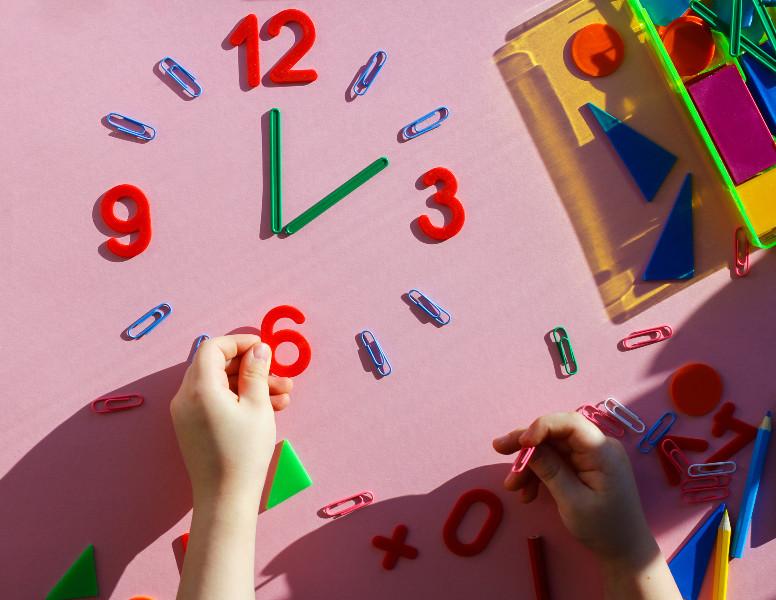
x=706 y=495
x=707 y=482
x=675 y=456
x=521 y=461
x=359 y=500
x=651 y=336
x=608 y=424
x=111 y=404
x=740 y=253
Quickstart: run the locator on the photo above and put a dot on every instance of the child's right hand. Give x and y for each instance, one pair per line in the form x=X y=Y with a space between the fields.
x=590 y=477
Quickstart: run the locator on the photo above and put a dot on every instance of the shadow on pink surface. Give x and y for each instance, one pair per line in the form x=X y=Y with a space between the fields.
x=339 y=561
x=115 y=480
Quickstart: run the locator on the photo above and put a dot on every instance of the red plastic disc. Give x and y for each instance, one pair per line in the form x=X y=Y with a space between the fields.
x=597 y=50
x=696 y=389
x=690 y=44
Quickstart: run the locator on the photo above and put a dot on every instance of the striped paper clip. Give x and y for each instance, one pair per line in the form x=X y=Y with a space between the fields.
x=567 y=359
x=379 y=359
x=370 y=72
x=639 y=339
x=656 y=432
x=740 y=253
x=602 y=420
x=172 y=67
x=675 y=456
x=412 y=130
x=431 y=308
x=157 y=313
x=522 y=458
x=145 y=132
x=715 y=468
x=110 y=404
x=359 y=500
x=624 y=415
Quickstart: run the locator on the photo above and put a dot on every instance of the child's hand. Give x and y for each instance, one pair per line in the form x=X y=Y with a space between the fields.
x=223 y=417
x=590 y=477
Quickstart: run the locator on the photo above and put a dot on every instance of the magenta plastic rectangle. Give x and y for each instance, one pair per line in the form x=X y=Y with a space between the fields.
x=734 y=122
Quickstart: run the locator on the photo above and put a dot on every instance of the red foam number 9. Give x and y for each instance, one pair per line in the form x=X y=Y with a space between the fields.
x=282 y=72
x=140 y=223
x=446 y=197
x=247 y=32
x=275 y=338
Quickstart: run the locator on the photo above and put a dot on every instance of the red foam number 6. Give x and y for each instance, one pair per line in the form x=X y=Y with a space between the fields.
x=275 y=338
x=446 y=197
x=140 y=223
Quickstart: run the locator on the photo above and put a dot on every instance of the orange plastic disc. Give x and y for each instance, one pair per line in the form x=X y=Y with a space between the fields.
x=696 y=389
x=597 y=50
x=690 y=44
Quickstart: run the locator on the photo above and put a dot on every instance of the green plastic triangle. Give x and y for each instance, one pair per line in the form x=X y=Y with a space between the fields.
x=80 y=581
x=290 y=476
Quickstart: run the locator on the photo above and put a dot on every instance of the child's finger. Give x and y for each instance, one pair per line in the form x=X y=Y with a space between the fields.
x=216 y=354
x=531 y=490
x=573 y=428
x=517 y=481
x=508 y=444
x=280 y=385
x=280 y=401
x=555 y=473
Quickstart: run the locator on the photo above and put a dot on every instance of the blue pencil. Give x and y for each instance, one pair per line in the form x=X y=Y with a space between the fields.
x=752 y=485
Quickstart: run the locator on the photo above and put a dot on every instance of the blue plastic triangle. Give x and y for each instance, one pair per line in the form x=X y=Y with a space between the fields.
x=648 y=163
x=689 y=565
x=761 y=82
x=673 y=256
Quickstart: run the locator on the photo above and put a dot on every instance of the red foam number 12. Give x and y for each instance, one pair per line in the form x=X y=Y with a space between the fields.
x=275 y=338
x=247 y=32
x=446 y=197
x=140 y=223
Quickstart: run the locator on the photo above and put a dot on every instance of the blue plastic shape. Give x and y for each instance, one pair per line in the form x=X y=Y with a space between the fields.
x=689 y=564
x=673 y=256
x=723 y=8
x=762 y=84
x=648 y=163
x=662 y=12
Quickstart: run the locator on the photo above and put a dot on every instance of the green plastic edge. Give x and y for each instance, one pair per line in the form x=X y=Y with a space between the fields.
x=290 y=476
x=676 y=83
x=80 y=580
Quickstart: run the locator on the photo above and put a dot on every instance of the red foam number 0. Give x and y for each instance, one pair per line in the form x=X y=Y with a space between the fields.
x=446 y=197
x=140 y=223
x=465 y=502
x=275 y=338
x=247 y=32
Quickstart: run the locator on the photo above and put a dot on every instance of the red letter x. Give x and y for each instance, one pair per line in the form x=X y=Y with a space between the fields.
x=395 y=547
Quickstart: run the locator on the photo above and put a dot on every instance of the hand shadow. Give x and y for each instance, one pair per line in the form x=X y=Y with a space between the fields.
x=113 y=480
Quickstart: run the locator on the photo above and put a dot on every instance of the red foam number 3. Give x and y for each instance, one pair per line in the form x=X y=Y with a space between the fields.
x=247 y=32
x=140 y=223
x=275 y=338
x=446 y=197
x=282 y=72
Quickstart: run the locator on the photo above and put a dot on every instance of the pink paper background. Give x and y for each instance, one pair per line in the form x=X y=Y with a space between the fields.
x=419 y=438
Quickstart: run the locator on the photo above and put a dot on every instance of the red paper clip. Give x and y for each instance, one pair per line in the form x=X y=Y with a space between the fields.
x=111 y=404
x=523 y=456
x=652 y=336
x=359 y=500
x=707 y=482
x=609 y=425
x=740 y=253
x=706 y=495
x=675 y=456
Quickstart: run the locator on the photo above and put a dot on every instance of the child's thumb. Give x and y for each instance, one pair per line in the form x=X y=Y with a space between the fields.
x=554 y=472
x=252 y=381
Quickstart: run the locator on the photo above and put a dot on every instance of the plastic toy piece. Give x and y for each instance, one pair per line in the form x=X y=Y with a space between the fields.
x=723 y=422
x=762 y=85
x=111 y=404
x=481 y=541
x=428 y=306
x=444 y=196
x=283 y=71
x=141 y=598
x=696 y=389
x=603 y=420
x=662 y=12
x=158 y=313
x=289 y=336
x=185 y=542
x=708 y=494
x=624 y=415
x=358 y=501
x=745 y=143
x=676 y=458
x=648 y=163
x=523 y=457
x=568 y=361
x=688 y=566
x=736 y=16
x=140 y=223
x=718 y=468
x=673 y=477
x=395 y=547
x=656 y=432
x=172 y=67
x=690 y=44
x=740 y=253
x=765 y=19
x=290 y=476
x=376 y=354
x=673 y=256
x=275 y=180
x=346 y=188
x=141 y=130
x=639 y=339
x=538 y=568
x=80 y=580
x=412 y=130
x=597 y=50
x=369 y=73
x=247 y=32
x=724 y=9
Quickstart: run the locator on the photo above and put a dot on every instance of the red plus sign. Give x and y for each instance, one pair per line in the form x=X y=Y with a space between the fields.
x=395 y=547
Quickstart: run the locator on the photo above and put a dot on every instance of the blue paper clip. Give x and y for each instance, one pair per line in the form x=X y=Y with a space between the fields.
x=368 y=75
x=655 y=434
x=158 y=313
x=193 y=89
x=376 y=353
x=431 y=308
x=142 y=133
x=411 y=131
